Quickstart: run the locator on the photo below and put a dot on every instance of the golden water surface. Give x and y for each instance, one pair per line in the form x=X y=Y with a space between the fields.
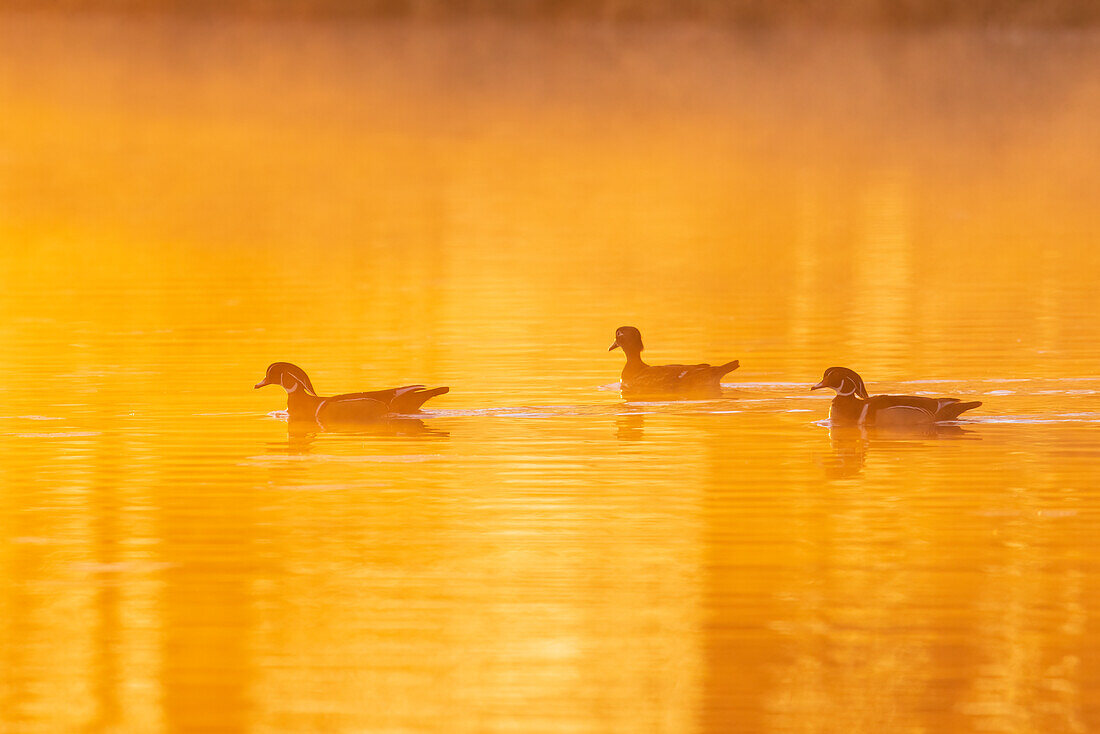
x=183 y=201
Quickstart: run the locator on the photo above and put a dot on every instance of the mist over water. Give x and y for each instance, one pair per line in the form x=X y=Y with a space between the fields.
x=184 y=200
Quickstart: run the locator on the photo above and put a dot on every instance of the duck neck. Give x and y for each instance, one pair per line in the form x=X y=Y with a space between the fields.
x=300 y=404
x=846 y=409
x=634 y=362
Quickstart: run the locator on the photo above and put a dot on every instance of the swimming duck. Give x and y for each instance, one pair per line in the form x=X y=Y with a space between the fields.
x=304 y=404
x=852 y=404
x=639 y=378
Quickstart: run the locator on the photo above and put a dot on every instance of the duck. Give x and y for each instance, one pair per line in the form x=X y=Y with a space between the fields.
x=688 y=380
x=853 y=406
x=304 y=404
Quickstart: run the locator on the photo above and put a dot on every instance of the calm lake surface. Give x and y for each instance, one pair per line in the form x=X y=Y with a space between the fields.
x=477 y=205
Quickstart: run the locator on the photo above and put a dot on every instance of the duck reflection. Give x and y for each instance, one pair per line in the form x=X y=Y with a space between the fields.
x=849 y=452
x=303 y=436
x=851 y=443
x=630 y=426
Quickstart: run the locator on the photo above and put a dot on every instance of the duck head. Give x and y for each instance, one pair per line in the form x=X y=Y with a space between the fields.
x=844 y=381
x=290 y=376
x=629 y=339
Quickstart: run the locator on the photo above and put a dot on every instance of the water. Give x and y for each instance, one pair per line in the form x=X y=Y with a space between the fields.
x=183 y=202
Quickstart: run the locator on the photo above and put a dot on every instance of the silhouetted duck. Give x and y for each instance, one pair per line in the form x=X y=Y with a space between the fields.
x=688 y=380
x=304 y=404
x=852 y=404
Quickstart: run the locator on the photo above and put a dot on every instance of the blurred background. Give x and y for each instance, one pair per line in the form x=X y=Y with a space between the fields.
x=738 y=12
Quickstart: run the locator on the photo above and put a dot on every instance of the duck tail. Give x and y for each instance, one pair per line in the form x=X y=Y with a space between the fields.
x=954 y=410
x=410 y=402
x=723 y=369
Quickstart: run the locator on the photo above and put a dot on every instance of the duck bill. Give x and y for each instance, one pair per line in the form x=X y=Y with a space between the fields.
x=819 y=385
x=613 y=346
x=261 y=383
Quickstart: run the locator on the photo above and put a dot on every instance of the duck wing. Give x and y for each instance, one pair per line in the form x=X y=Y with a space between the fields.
x=675 y=379
x=952 y=408
x=350 y=408
x=407 y=399
x=384 y=396
x=695 y=373
x=673 y=375
x=897 y=411
x=881 y=403
x=919 y=408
